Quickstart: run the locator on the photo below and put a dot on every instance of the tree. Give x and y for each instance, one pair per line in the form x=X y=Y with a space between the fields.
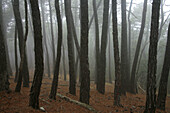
x=97 y=39
x=134 y=67
x=45 y=40
x=24 y=72
x=161 y=100
x=39 y=65
x=57 y=65
x=72 y=86
x=52 y=34
x=116 y=55
x=4 y=84
x=124 y=53
x=16 y=56
x=101 y=76
x=152 y=61
x=84 y=64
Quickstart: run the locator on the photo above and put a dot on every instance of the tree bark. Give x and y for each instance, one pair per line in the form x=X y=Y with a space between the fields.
x=134 y=67
x=39 y=65
x=45 y=41
x=97 y=39
x=72 y=86
x=57 y=65
x=84 y=63
x=161 y=100
x=52 y=35
x=124 y=53
x=116 y=55
x=64 y=67
x=4 y=84
x=101 y=78
x=16 y=56
x=152 y=61
x=24 y=71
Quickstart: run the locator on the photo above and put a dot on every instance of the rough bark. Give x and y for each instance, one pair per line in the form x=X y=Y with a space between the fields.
x=21 y=67
x=57 y=65
x=152 y=61
x=101 y=78
x=134 y=66
x=4 y=84
x=116 y=54
x=24 y=72
x=162 y=94
x=84 y=63
x=39 y=65
x=124 y=53
x=72 y=81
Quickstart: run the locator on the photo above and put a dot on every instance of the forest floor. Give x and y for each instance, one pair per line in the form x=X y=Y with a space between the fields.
x=18 y=102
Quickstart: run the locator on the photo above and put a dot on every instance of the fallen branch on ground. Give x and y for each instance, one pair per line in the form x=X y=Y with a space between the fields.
x=77 y=102
x=44 y=101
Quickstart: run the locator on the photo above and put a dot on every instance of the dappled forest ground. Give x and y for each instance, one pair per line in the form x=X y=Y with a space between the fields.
x=18 y=102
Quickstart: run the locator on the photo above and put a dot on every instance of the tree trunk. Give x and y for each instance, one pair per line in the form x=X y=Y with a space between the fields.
x=152 y=61
x=134 y=67
x=101 y=78
x=64 y=67
x=39 y=65
x=97 y=39
x=16 y=56
x=93 y=16
x=57 y=65
x=24 y=72
x=161 y=100
x=45 y=41
x=72 y=86
x=116 y=55
x=84 y=63
x=4 y=84
x=52 y=35
x=124 y=53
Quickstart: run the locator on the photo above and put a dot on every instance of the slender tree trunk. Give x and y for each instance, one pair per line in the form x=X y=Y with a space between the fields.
x=93 y=16
x=84 y=63
x=124 y=53
x=101 y=78
x=110 y=74
x=134 y=67
x=16 y=55
x=64 y=67
x=24 y=71
x=161 y=100
x=116 y=55
x=162 y=20
x=39 y=65
x=57 y=65
x=97 y=39
x=129 y=43
x=52 y=35
x=9 y=69
x=72 y=86
x=152 y=61
x=45 y=41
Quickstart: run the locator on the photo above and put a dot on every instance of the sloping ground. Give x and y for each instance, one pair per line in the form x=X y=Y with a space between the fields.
x=18 y=102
